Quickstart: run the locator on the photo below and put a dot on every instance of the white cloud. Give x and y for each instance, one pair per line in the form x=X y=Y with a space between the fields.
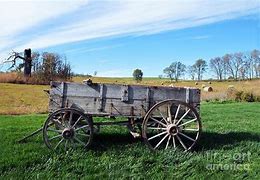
x=87 y=49
x=100 y=19
x=16 y=17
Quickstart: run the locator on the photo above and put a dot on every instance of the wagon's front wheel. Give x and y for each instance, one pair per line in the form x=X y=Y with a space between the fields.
x=68 y=129
x=171 y=123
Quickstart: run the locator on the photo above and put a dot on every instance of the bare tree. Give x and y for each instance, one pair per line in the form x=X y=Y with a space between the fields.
x=26 y=64
x=238 y=63
x=218 y=66
x=200 y=68
x=192 y=72
x=255 y=56
x=234 y=64
x=227 y=58
x=245 y=71
x=175 y=70
x=35 y=61
x=247 y=68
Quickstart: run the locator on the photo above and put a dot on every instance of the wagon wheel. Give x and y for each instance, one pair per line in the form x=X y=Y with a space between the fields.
x=171 y=123
x=68 y=129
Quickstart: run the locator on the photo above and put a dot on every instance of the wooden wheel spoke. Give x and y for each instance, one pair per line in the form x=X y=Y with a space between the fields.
x=66 y=145
x=157 y=135
x=173 y=142
x=79 y=141
x=59 y=143
x=161 y=141
x=54 y=137
x=76 y=122
x=70 y=119
x=184 y=115
x=168 y=141
x=54 y=130
x=85 y=135
x=188 y=137
x=159 y=122
x=187 y=129
x=190 y=121
x=183 y=145
x=64 y=119
x=176 y=114
x=169 y=113
x=81 y=127
x=156 y=128
x=162 y=116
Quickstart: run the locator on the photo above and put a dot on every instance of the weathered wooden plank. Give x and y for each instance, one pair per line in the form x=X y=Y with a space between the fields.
x=124 y=100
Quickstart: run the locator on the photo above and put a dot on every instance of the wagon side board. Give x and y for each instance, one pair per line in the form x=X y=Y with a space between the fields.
x=117 y=100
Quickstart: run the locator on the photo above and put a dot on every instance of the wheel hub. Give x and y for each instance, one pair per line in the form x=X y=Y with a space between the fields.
x=68 y=133
x=172 y=129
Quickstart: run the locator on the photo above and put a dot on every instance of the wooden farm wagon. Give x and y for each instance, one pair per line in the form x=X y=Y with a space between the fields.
x=164 y=117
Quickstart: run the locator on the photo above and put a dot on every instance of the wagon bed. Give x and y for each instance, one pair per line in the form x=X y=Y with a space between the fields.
x=117 y=100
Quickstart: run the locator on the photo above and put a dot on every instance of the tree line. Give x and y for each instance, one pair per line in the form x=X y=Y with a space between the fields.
x=236 y=66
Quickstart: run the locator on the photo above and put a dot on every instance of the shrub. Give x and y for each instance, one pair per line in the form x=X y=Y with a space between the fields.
x=238 y=95
x=257 y=98
x=248 y=97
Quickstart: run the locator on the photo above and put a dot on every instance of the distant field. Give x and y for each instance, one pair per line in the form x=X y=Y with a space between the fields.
x=24 y=99
x=219 y=88
x=228 y=149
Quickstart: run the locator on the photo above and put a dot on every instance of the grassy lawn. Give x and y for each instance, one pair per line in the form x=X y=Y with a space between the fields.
x=229 y=148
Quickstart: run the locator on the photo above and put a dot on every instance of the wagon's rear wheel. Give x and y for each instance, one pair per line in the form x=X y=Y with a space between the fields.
x=171 y=123
x=68 y=129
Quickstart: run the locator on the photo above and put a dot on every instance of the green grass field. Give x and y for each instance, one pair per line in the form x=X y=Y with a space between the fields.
x=229 y=149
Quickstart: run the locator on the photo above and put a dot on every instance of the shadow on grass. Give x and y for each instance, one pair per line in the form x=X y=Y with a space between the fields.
x=208 y=140
x=104 y=141
x=213 y=140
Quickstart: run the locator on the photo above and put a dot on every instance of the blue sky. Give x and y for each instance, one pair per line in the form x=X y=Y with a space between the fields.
x=115 y=37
